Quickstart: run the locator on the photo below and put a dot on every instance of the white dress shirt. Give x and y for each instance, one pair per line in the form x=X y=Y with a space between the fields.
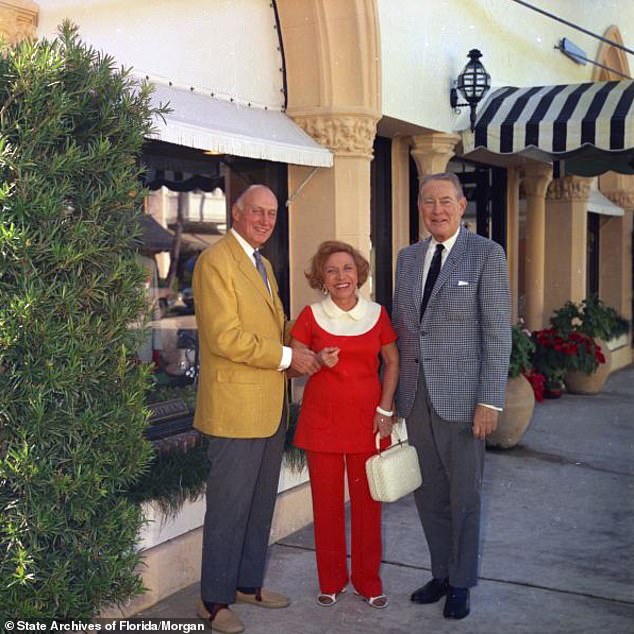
x=447 y=244
x=287 y=352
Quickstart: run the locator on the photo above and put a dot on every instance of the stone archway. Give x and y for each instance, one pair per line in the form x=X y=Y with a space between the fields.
x=332 y=52
x=612 y=57
x=615 y=248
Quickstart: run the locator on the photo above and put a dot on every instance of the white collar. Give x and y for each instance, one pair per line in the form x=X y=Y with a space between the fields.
x=448 y=243
x=356 y=321
x=246 y=247
x=358 y=311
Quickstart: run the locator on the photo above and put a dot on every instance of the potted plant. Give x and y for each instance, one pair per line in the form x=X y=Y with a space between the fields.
x=572 y=357
x=588 y=366
x=584 y=358
x=519 y=401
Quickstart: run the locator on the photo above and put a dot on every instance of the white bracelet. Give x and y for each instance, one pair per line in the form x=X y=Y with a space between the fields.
x=383 y=412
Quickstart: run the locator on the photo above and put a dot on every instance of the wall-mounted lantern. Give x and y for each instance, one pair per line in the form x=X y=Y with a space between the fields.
x=472 y=83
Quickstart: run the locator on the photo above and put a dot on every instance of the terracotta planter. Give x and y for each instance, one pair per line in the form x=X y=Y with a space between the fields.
x=581 y=383
x=518 y=410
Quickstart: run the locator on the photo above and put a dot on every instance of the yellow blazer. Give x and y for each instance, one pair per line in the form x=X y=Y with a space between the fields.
x=241 y=329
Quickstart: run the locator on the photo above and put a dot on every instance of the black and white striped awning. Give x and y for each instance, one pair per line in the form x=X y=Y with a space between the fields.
x=589 y=125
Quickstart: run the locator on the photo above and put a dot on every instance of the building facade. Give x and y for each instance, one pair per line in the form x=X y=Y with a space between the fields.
x=369 y=80
x=341 y=107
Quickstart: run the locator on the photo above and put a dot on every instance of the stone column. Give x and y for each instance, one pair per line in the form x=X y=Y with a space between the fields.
x=513 y=236
x=432 y=152
x=566 y=242
x=535 y=179
x=18 y=19
x=615 y=249
x=335 y=204
x=333 y=68
x=400 y=195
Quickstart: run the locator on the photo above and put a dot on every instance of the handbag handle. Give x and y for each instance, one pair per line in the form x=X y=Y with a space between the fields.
x=394 y=435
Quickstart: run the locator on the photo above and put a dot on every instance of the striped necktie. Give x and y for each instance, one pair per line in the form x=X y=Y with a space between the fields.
x=259 y=265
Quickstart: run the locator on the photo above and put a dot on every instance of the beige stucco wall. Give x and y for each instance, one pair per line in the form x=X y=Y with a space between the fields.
x=425 y=44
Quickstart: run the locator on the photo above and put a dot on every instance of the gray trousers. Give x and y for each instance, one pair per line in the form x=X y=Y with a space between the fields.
x=448 y=501
x=241 y=492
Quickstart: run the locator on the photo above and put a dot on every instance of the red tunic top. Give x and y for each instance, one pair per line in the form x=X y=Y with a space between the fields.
x=339 y=403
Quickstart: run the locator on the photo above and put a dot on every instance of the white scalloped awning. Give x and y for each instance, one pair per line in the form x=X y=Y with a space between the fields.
x=201 y=121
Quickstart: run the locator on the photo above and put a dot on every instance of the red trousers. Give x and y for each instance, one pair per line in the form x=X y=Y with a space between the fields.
x=327 y=486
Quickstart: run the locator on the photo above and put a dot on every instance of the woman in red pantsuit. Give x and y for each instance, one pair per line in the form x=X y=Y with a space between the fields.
x=344 y=405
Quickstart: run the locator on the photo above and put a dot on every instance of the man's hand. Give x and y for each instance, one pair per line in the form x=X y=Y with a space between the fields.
x=304 y=361
x=485 y=421
x=329 y=356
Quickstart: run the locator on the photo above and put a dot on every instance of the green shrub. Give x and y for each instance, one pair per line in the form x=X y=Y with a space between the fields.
x=177 y=473
x=592 y=317
x=71 y=396
x=522 y=349
x=294 y=456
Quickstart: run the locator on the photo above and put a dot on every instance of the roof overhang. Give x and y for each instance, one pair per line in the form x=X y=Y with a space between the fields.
x=201 y=121
x=590 y=126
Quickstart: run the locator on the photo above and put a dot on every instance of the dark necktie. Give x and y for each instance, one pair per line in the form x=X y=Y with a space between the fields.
x=432 y=275
x=259 y=265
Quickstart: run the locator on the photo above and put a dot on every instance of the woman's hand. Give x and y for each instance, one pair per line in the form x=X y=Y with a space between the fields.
x=383 y=425
x=329 y=356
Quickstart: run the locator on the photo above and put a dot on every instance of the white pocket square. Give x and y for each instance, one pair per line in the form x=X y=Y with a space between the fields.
x=462 y=283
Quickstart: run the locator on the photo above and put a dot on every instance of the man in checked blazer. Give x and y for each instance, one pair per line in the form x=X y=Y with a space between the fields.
x=452 y=315
x=241 y=407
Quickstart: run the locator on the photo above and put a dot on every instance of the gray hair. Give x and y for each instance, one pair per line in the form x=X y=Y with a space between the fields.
x=450 y=177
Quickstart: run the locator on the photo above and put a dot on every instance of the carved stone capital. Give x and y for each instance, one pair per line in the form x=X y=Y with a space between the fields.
x=18 y=19
x=344 y=134
x=535 y=179
x=573 y=188
x=432 y=151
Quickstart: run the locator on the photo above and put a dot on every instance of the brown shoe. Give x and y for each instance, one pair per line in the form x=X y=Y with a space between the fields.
x=225 y=620
x=263 y=598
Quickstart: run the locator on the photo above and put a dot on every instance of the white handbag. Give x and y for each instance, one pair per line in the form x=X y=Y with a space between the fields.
x=393 y=472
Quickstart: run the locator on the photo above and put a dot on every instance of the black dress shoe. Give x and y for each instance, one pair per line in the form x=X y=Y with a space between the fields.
x=457 y=603
x=431 y=592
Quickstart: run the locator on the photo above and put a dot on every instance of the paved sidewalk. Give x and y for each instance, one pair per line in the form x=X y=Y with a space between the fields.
x=557 y=544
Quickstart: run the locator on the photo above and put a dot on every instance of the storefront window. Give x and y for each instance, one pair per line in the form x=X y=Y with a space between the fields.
x=192 y=221
x=187 y=210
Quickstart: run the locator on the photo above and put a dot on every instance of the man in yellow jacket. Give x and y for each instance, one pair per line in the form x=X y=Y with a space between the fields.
x=241 y=407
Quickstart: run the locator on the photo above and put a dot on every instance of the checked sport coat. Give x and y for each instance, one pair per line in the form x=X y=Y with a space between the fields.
x=464 y=339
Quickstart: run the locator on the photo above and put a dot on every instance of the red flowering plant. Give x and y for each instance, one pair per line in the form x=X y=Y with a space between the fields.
x=556 y=353
x=549 y=358
x=583 y=353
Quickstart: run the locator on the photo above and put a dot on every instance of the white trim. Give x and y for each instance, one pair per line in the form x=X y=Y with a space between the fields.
x=158 y=528
x=617 y=342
